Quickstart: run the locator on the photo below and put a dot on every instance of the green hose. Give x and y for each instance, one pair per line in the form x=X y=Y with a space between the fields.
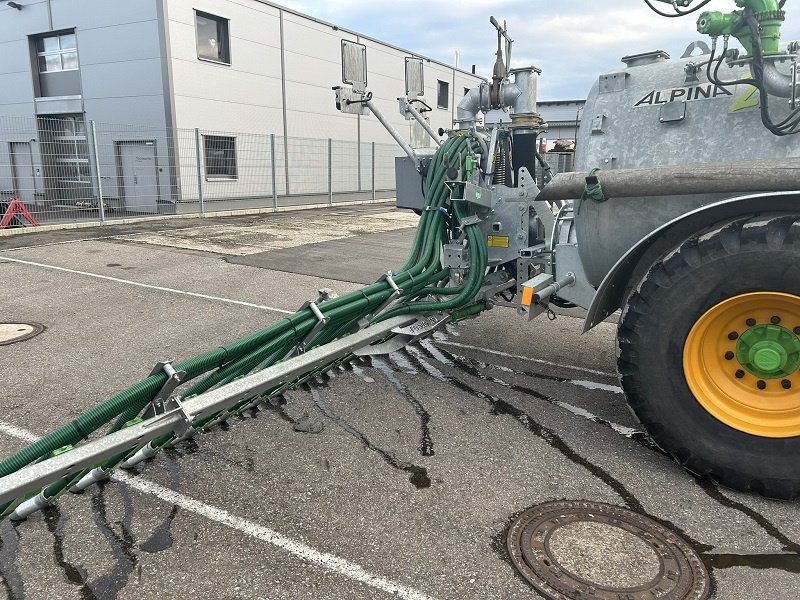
x=418 y=275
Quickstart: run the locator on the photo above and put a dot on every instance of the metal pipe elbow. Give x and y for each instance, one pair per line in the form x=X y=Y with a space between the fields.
x=510 y=95
x=775 y=82
x=469 y=107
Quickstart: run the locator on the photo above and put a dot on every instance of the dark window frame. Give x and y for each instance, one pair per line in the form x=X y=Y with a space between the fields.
x=442 y=86
x=224 y=165
x=223 y=38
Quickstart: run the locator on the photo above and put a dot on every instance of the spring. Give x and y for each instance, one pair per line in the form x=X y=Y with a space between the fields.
x=501 y=159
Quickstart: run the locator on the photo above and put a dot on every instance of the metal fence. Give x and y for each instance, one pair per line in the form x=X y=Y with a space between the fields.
x=65 y=169
x=560 y=162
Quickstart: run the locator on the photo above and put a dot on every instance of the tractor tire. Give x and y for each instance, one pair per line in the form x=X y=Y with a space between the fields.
x=708 y=349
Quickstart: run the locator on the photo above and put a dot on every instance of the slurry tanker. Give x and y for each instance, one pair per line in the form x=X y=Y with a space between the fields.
x=682 y=214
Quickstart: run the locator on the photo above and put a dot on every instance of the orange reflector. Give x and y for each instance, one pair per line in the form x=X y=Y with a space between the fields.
x=527 y=296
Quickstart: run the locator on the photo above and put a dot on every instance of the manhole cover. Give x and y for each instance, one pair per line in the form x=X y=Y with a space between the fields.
x=591 y=550
x=11 y=333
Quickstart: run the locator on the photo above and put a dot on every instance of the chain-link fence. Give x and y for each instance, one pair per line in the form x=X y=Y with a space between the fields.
x=66 y=169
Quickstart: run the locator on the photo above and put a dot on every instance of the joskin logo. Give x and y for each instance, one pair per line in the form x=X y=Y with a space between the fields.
x=688 y=94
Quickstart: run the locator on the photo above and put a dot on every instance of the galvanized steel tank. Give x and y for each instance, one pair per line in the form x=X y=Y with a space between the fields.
x=655 y=112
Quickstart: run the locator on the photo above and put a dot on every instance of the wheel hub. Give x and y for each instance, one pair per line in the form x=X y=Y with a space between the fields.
x=769 y=351
x=741 y=361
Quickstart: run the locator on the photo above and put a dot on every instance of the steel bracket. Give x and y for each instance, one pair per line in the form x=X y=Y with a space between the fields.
x=160 y=403
x=472 y=220
x=396 y=293
x=404 y=335
x=322 y=320
x=169 y=409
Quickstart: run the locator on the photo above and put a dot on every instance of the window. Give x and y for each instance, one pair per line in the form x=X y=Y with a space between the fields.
x=443 y=94
x=212 y=38
x=220 y=156
x=57 y=52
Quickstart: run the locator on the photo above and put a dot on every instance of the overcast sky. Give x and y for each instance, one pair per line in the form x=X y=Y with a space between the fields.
x=572 y=41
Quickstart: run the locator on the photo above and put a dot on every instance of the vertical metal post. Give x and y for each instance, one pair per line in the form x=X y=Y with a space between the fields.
x=373 y=171
x=330 y=172
x=201 y=206
x=101 y=208
x=274 y=177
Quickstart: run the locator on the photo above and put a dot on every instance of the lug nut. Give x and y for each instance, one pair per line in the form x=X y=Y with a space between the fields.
x=729 y=355
x=775 y=320
x=762 y=385
x=739 y=374
x=786 y=384
x=751 y=322
x=733 y=336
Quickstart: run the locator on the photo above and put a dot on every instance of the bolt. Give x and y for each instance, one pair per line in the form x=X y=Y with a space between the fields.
x=786 y=384
x=739 y=374
x=762 y=385
x=733 y=335
x=729 y=355
x=751 y=322
x=775 y=320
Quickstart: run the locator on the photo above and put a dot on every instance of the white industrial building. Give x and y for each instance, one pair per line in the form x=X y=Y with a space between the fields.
x=161 y=68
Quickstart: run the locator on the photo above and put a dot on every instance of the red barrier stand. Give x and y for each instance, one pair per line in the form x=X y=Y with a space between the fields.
x=16 y=207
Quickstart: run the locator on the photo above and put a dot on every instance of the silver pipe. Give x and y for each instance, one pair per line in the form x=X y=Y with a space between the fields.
x=469 y=107
x=425 y=125
x=93 y=476
x=775 y=82
x=678 y=180
x=143 y=454
x=30 y=506
x=521 y=95
x=553 y=288
x=392 y=131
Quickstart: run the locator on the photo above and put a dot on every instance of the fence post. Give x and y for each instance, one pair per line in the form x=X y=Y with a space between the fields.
x=373 y=171
x=330 y=172
x=96 y=156
x=274 y=177
x=199 y=172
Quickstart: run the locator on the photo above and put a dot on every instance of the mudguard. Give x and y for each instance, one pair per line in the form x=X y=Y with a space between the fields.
x=629 y=269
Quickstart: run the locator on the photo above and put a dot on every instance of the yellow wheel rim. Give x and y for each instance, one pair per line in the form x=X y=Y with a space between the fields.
x=740 y=362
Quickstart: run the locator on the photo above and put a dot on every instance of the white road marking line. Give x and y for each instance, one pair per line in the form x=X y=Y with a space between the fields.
x=147 y=286
x=327 y=561
x=623 y=430
x=78 y=241
x=18 y=432
x=593 y=385
x=527 y=358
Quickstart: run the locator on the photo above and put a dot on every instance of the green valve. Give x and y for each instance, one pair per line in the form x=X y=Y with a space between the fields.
x=769 y=351
x=715 y=23
x=768 y=13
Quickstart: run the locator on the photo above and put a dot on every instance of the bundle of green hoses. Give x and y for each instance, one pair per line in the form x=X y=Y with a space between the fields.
x=417 y=280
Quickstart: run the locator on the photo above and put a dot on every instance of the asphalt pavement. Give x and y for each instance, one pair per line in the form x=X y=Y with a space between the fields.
x=392 y=477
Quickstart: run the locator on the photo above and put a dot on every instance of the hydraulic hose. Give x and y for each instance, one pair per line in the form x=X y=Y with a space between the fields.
x=420 y=272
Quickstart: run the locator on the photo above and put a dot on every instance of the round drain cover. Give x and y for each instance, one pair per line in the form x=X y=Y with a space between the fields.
x=11 y=333
x=592 y=550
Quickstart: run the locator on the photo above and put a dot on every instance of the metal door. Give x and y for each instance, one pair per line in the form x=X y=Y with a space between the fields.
x=139 y=176
x=23 y=171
